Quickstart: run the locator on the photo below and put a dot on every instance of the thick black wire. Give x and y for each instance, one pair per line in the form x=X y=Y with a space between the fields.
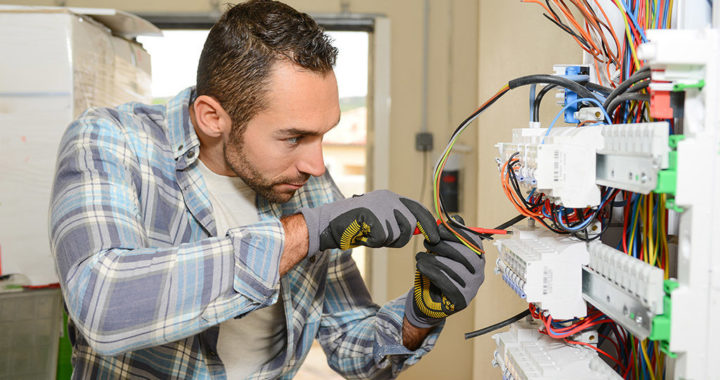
x=538 y=99
x=498 y=325
x=620 y=99
x=598 y=88
x=639 y=86
x=552 y=79
x=640 y=75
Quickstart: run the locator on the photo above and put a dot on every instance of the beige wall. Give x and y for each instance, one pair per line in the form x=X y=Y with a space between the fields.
x=515 y=40
x=453 y=94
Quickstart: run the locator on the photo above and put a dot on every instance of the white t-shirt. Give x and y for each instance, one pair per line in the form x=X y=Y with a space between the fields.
x=244 y=344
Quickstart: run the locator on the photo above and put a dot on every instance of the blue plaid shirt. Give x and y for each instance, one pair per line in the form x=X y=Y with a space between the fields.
x=147 y=279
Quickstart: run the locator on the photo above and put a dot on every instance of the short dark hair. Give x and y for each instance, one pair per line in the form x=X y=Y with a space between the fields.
x=242 y=47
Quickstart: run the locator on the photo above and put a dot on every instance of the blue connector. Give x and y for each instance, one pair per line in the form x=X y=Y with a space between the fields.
x=571 y=96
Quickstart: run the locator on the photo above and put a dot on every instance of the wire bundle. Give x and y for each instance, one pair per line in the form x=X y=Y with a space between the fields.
x=596 y=37
x=450 y=223
x=595 y=34
x=555 y=218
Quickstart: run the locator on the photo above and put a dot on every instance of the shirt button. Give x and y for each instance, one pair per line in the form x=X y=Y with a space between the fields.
x=312 y=259
x=190 y=154
x=212 y=354
x=180 y=147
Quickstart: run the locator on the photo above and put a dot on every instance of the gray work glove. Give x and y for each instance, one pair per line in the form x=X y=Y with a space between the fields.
x=447 y=278
x=377 y=219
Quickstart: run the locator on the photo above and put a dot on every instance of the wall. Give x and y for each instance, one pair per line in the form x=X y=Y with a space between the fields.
x=515 y=40
x=453 y=95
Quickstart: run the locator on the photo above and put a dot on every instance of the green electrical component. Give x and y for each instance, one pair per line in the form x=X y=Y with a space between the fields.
x=684 y=86
x=667 y=179
x=661 y=323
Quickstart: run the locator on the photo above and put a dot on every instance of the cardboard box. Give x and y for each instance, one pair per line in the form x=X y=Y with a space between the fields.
x=57 y=63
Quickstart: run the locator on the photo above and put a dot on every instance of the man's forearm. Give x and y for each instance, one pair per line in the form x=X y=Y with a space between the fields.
x=413 y=336
x=296 y=242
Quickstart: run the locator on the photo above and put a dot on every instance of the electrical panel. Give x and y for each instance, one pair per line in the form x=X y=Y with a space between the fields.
x=619 y=263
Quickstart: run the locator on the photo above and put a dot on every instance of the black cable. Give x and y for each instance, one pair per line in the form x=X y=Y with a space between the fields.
x=538 y=99
x=498 y=325
x=625 y=97
x=598 y=88
x=552 y=79
x=639 y=86
x=640 y=75
x=510 y=222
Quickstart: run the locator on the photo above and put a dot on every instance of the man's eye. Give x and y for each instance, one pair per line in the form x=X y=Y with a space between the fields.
x=293 y=140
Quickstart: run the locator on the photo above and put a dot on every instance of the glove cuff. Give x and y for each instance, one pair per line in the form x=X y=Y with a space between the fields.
x=415 y=317
x=312 y=220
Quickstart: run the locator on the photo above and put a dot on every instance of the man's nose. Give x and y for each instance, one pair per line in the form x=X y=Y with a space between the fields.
x=312 y=160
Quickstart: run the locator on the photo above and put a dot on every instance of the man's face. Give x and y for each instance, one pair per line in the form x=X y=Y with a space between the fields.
x=281 y=147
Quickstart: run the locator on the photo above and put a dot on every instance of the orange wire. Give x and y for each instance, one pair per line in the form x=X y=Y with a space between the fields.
x=502 y=90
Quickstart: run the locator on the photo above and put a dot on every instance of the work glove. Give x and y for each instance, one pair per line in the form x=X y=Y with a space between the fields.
x=448 y=276
x=377 y=219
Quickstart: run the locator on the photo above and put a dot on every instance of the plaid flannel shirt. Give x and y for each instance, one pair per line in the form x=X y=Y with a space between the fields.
x=146 y=278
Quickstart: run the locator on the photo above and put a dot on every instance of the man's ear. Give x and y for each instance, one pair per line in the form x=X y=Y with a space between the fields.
x=210 y=116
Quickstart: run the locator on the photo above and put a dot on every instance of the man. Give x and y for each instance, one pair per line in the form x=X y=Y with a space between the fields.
x=199 y=239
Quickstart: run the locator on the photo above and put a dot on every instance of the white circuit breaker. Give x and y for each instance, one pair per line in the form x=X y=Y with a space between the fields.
x=524 y=353
x=544 y=269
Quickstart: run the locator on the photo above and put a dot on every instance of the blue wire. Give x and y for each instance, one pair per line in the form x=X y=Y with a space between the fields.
x=584 y=223
x=633 y=18
x=576 y=101
x=657 y=12
x=532 y=101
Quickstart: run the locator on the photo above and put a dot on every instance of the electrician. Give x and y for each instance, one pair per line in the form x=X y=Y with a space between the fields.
x=204 y=238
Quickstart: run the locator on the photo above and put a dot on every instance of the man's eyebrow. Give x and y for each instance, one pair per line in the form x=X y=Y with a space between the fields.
x=296 y=132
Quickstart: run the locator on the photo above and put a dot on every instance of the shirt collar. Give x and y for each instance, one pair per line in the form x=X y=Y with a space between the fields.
x=183 y=138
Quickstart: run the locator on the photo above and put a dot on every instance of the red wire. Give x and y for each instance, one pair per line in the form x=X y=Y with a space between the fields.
x=598 y=350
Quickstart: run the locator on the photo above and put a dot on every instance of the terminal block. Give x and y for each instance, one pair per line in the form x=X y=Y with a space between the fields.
x=632 y=156
x=524 y=353
x=626 y=289
x=545 y=269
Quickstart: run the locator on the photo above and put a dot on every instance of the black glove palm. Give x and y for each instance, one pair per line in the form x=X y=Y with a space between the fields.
x=447 y=278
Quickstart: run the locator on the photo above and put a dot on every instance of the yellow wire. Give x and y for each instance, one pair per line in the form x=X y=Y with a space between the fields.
x=660 y=362
x=664 y=235
x=669 y=15
x=632 y=232
x=635 y=355
x=658 y=247
x=648 y=237
x=647 y=360
x=627 y=31
x=642 y=225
